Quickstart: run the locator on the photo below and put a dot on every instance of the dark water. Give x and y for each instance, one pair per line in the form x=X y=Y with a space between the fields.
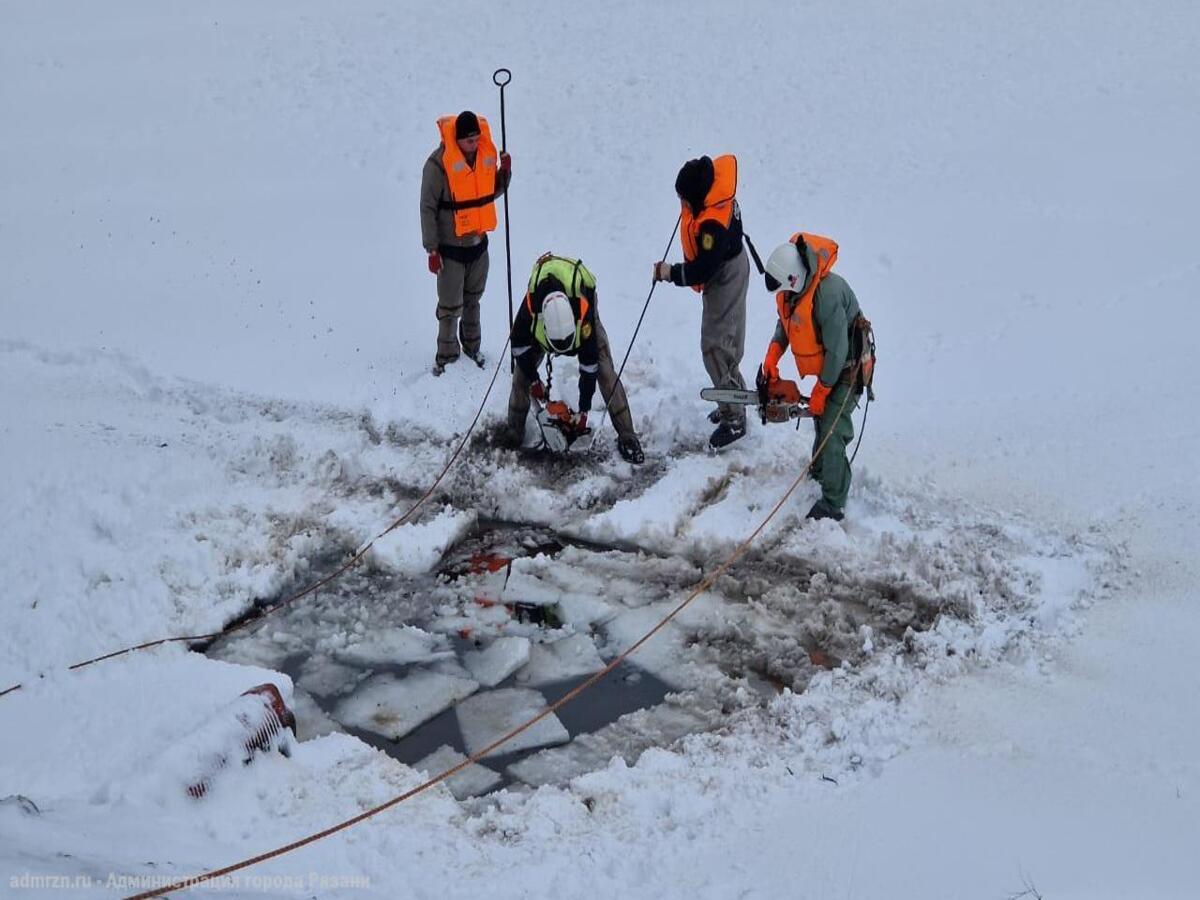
x=490 y=547
x=812 y=624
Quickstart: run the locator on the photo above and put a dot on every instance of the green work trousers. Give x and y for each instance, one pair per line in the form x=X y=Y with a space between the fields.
x=832 y=469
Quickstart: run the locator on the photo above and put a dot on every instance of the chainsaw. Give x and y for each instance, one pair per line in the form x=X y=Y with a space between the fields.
x=777 y=400
x=558 y=428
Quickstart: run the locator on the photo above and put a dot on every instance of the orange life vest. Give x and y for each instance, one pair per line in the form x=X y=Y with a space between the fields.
x=472 y=189
x=797 y=320
x=718 y=207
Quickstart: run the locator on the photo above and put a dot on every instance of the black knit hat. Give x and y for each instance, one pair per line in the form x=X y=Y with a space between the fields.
x=466 y=125
x=694 y=181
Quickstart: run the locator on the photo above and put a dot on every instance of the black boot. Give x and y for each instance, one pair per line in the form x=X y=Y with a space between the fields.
x=727 y=432
x=630 y=449
x=438 y=367
x=823 y=509
x=476 y=357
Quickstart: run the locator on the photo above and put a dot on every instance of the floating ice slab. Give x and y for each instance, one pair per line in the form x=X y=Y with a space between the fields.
x=526 y=585
x=311 y=720
x=583 y=611
x=322 y=677
x=565 y=658
x=470 y=782
x=417 y=547
x=669 y=656
x=485 y=717
x=495 y=663
x=628 y=738
x=392 y=706
x=396 y=646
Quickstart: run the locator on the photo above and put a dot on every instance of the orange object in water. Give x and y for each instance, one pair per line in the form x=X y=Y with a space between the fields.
x=473 y=188
x=718 y=207
x=486 y=562
x=797 y=317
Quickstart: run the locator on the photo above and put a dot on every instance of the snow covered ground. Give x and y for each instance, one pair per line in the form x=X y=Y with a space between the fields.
x=214 y=346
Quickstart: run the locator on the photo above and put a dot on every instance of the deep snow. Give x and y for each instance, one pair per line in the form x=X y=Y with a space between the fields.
x=216 y=334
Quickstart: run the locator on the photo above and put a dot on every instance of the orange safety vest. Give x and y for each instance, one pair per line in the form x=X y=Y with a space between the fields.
x=798 y=320
x=472 y=189
x=718 y=207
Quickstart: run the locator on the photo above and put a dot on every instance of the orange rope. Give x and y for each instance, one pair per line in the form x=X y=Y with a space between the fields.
x=337 y=573
x=553 y=707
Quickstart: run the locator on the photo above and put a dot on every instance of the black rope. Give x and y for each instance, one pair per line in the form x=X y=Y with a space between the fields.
x=758 y=263
x=861 y=429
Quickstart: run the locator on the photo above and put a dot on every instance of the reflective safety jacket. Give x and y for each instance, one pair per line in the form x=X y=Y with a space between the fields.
x=529 y=344
x=578 y=283
x=472 y=188
x=815 y=322
x=716 y=229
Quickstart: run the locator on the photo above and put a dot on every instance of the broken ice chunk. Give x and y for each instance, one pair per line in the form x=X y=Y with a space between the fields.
x=417 y=546
x=670 y=656
x=256 y=649
x=392 y=706
x=396 y=645
x=486 y=717
x=311 y=720
x=585 y=610
x=565 y=658
x=321 y=676
x=492 y=665
x=469 y=782
x=628 y=737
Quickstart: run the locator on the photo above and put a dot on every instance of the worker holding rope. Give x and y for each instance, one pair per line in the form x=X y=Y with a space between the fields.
x=716 y=267
x=559 y=317
x=819 y=318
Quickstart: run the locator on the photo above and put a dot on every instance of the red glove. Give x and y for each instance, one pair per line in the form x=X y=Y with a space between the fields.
x=579 y=421
x=537 y=391
x=505 y=163
x=435 y=262
x=820 y=394
x=771 y=361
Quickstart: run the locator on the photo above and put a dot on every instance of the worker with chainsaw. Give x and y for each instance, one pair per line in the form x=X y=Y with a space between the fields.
x=820 y=320
x=559 y=317
x=461 y=180
x=714 y=265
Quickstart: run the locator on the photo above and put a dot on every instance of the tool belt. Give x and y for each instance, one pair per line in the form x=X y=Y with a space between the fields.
x=464 y=255
x=860 y=362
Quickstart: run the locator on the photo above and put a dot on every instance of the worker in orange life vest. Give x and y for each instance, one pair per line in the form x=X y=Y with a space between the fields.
x=820 y=321
x=715 y=265
x=461 y=180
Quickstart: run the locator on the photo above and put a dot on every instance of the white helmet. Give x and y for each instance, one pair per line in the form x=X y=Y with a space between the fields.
x=786 y=268
x=558 y=322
